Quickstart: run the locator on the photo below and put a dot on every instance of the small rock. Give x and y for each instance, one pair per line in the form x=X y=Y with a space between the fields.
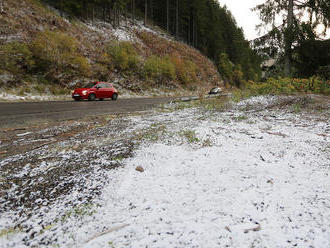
x=139 y=168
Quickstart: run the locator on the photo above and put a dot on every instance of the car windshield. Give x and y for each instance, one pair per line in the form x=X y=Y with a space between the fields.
x=90 y=85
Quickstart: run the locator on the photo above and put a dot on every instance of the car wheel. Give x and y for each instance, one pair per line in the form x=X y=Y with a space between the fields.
x=91 y=97
x=114 y=97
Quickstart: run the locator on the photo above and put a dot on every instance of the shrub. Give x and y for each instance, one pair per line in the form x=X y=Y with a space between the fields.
x=159 y=68
x=58 y=52
x=185 y=70
x=100 y=71
x=237 y=76
x=16 y=58
x=289 y=86
x=226 y=68
x=123 y=55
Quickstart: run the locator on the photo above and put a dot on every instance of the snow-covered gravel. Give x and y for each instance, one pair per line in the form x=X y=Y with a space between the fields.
x=252 y=176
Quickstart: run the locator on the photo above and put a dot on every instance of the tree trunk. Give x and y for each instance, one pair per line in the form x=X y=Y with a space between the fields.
x=93 y=11
x=110 y=15
x=194 y=32
x=168 y=15
x=152 y=9
x=146 y=12
x=1 y=6
x=288 y=39
x=61 y=8
x=104 y=9
x=177 y=20
x=133 y=10
x=189 y=30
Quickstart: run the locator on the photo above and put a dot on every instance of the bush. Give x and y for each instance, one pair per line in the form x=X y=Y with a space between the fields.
x=159 y=68
x=289 y=86
x=16 y=58
x=100 y=71
x=58 y=52
x=226 y=68
x=238 y=76
x=123 y=55
x=185 y=70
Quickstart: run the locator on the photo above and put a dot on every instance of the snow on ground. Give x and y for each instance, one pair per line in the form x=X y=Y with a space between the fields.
x=250 y=176
x=31 y=97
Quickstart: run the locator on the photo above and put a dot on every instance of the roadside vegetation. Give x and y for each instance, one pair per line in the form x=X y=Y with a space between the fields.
x=50 y=52
x=283 y=86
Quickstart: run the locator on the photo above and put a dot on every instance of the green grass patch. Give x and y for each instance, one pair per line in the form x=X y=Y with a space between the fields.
x=78 y=212
x=190 y=136
x=240 y=118
x=151 y=134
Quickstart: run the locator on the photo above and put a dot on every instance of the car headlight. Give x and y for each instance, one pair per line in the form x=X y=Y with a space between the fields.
x=84 y=92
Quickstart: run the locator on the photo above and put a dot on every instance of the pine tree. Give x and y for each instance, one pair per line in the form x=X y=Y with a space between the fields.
x=293 y=28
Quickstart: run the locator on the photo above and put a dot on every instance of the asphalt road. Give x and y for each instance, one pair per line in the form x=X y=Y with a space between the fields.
x=16 y=114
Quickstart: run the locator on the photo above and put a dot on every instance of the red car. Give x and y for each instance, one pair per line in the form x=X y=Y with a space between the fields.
x=95 y=90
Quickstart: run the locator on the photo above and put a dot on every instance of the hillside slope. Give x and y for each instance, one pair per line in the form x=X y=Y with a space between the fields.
x=41 y=50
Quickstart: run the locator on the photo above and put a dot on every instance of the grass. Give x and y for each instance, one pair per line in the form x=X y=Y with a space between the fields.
x=296 y=108
x=78 y=211
x=207 y=143
x=151 y=134
x=8 y=231
x=190 y=136
x=118 y=158
x=212 y=104
x=240 y=118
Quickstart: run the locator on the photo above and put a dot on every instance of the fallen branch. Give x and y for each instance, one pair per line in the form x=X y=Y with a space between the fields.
x=48 y=143
x=107 y=231
x=255 y=229
x=278 y=134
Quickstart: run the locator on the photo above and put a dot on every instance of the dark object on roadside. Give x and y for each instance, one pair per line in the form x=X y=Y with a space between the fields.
x=95 y=90
x=215 y=91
